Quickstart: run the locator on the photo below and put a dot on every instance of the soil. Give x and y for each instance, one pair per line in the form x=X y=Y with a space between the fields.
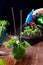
x=34 y=56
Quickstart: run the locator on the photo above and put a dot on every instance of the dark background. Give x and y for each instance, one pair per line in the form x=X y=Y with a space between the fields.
x=25 y=5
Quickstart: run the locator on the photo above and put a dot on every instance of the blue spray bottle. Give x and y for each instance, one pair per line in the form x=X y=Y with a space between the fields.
x=29 y=17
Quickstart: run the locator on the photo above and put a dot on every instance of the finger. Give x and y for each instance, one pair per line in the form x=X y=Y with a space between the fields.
x=38 y=11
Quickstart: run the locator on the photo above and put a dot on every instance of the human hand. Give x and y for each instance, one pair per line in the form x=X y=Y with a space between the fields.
x=38 y=11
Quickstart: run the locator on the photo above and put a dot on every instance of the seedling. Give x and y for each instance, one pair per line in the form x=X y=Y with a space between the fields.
x=18 y=47
x=29 y=32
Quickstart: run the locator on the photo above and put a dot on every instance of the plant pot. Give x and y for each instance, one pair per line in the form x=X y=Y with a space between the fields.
x=32 y=40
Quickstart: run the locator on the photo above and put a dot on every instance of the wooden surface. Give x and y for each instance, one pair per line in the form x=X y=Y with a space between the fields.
x=34 y=55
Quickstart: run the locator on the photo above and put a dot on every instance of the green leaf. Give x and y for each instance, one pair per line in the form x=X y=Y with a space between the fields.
x=15 y=38
x=18 y=51
x=3 y=22
x=27 y=44
x=27 y=28
x=21 y=33
x=2 y=62
x=9 y=43
x=17 y=42
x=12 y=41
x=40 y=20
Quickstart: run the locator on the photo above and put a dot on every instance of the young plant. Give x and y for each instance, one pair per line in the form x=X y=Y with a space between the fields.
x=31 y=32
x=3 y=24
x=18 y=47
